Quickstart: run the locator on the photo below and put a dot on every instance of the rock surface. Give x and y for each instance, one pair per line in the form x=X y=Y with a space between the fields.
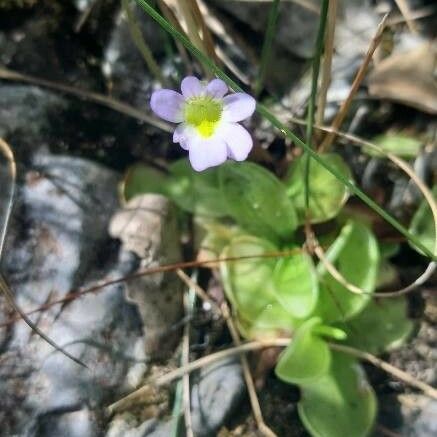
x=216 y=392
x=58 y=242
x=147 y=227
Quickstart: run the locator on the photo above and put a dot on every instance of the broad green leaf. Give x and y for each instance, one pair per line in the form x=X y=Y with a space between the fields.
x=383 y=325
x=142 y=179
x=306 y=358
x=355 y=254
x=339 y=403
x=422 y=225
x=327 y=193
x=198 y=193
x=248 y=285
x=218 y=236
x=257 y=200
x=296 y=285
x=399 y=144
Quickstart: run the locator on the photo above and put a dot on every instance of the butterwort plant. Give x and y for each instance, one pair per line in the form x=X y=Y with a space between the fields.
x=208 y=119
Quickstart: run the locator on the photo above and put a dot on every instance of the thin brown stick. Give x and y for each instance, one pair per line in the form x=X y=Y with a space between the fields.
x=310 y=5
x=344 y=107
x=327 y=61
x=72 y=295
x=259 y=345
x=197 y=364
x=101 y=99
x=360 y=142
x=224 y=312
x=140 y=43
x=253 y=397
x=406 y=13
x=84 y=16
x=5 y=289
x=416 y=15
x=387 y=367
x=170 y=16
x=186 y=378
x=205 y=32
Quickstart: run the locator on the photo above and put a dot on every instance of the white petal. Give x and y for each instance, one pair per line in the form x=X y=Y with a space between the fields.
x=217 y=88
x=167 y=104
x=238 y=106
x=207 y=152
x=191 y=87
x=183 y=134
x=237 y=139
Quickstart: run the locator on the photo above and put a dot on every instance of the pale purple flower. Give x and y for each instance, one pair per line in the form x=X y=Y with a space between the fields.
x=208 y=120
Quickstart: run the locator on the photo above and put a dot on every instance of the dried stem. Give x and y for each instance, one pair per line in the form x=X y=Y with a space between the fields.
x=140 y=43
x=357 y=141
x=387 y=367
x=101 y=99
x=5 y=289
x=224 y=312
x=185 y=361
x=406 y=13
x=72 y=295
x=259 y=345
x=327 y=61
x=344 y=108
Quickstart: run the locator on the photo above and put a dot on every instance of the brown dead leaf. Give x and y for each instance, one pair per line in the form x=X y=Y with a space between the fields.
x=409 y=78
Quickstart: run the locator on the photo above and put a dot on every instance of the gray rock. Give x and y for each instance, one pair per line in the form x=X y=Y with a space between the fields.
x=409 y=415
x=296 y=28
x=122 y=427
x=80 y=423
x=58 y=242
x=147 y=227
x=26 y=112
x=426 y=423
x=216 y=392
x=123 y=65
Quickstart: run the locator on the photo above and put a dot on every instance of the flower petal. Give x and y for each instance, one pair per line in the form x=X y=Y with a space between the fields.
x=217 y=88
x=238 y=141
x=205 y=153
x=167 y=104
x=191 y=87
x=238 y=106
x=183 y=134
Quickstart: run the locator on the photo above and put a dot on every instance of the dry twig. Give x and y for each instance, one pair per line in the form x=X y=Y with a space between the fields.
x=327 y=61
x=344 y=108
x=406 y=13
x=101 y=99
x=277 y=342
x=224 y=312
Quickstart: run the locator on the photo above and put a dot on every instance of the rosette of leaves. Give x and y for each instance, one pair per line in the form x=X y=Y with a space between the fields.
x=290 y=295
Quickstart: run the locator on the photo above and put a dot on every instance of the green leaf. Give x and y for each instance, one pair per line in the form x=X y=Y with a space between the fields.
x=142 y=179
x=306 y=358
x=327 y=194
x=382 y=326
x=423 y=226
x=339 y=403
x=248 y=285
x=257 y=200
x=355 y=254
x=198 y=193
x=296 y=285
x=397 y=143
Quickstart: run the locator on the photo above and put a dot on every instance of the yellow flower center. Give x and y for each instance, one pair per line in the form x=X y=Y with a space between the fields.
x=203 y=113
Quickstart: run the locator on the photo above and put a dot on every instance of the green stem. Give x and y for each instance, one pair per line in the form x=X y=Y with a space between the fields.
x=320 y=42
x=267 y=46
x=284 y=129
